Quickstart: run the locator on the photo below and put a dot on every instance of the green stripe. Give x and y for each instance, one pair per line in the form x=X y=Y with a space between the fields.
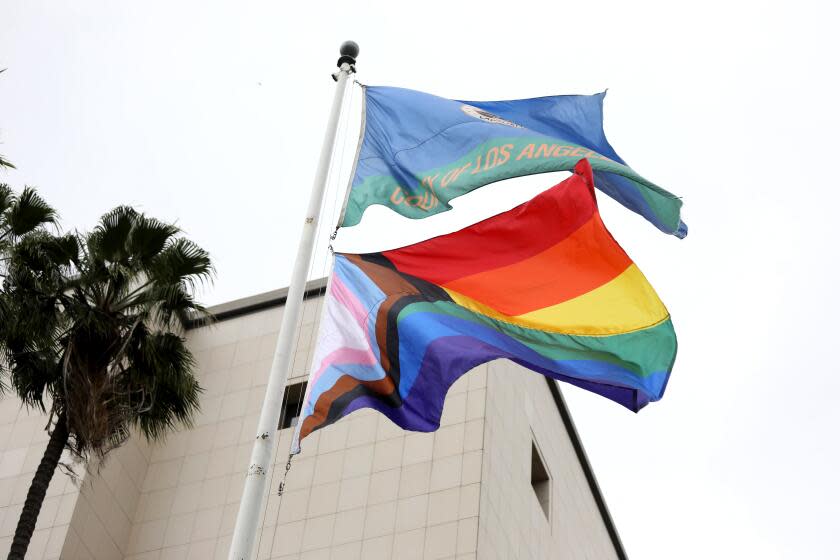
x=492 y=161
x=632 y=351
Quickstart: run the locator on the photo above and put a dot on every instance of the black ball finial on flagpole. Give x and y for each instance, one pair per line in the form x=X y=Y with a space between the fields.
x=348 y=50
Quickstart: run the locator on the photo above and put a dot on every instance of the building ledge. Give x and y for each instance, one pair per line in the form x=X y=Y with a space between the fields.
x=259 y=302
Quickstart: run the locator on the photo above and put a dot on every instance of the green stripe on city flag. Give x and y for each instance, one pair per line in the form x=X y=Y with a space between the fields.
x=491 y=161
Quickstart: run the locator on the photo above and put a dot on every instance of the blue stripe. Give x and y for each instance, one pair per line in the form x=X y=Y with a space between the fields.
x=419 y=329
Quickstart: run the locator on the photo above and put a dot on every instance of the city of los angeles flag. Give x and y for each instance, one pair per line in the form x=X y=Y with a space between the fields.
x=544 y=285
x=420 y=151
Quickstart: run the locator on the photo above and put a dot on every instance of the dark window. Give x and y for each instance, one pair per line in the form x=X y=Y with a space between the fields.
x=540 y=481
x=292 y=403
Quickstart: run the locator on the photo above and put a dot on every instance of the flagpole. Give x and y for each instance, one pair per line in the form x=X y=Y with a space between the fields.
x=256 y=479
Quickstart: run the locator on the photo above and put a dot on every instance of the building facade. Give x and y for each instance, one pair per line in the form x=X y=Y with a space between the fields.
x=505 y=476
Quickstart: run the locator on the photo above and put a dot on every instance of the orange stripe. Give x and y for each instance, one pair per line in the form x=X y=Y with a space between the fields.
x=625 y=304
x=580 y=263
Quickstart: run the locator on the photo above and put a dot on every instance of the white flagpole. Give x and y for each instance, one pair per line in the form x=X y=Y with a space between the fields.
x=254 y=493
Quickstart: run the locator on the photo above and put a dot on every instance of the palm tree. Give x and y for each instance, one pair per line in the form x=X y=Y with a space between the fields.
x=90 y=330
x=21 y=215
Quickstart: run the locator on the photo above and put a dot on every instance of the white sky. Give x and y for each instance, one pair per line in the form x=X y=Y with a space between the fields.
x=212 y=114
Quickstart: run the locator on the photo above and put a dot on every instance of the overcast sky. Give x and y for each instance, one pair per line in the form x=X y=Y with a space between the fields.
x=212 y=114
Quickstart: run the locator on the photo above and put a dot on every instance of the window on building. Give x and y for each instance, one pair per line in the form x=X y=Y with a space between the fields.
x=540 y=481
x=292 y=403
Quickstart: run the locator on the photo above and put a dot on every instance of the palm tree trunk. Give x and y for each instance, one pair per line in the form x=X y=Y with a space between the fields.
x=38 y=489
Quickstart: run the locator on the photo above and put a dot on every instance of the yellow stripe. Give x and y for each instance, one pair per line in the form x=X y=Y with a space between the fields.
x=624 y=304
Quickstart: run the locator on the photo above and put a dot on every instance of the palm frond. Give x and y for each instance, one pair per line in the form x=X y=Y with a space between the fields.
x=42 y=251
x=148 y=237
x=29 y=212
x=175 y=305
x=182 y=261
x=7 y=196
x=64 y=249
x=109 y=239
x=32 y=373
x=165 y=357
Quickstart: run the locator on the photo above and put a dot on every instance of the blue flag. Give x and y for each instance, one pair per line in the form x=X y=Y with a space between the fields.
x=420 y=151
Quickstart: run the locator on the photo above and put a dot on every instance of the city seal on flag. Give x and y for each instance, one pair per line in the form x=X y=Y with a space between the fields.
x=487 y=116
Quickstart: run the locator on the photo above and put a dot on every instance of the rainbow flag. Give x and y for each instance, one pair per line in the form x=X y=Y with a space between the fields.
x=420 y=151
x=544 y=285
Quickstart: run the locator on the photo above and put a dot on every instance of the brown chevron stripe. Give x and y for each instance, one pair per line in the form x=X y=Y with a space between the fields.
x=345 y=384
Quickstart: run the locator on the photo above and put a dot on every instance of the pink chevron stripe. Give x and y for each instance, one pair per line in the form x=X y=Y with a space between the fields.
x=344 y=356
x=348 y=299
x=343 y=337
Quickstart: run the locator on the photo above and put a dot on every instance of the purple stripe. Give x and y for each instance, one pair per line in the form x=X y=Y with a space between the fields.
x=448 y=358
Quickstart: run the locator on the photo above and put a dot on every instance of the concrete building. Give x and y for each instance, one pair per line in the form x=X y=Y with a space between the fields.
x=505 y=476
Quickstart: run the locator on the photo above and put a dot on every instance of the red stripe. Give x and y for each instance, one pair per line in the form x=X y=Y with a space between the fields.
x=584 y=261
x=523 y=232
